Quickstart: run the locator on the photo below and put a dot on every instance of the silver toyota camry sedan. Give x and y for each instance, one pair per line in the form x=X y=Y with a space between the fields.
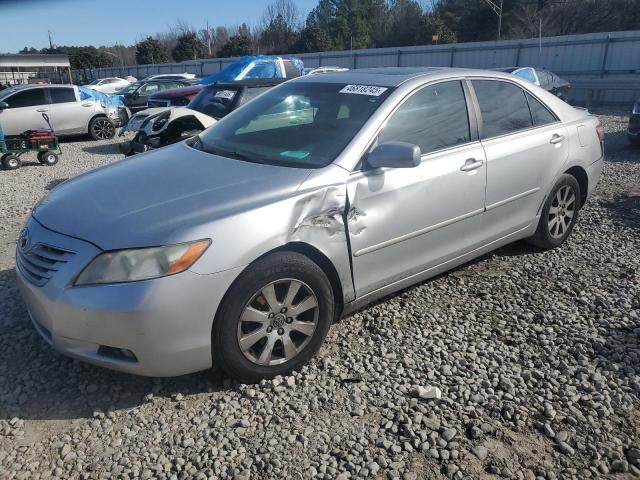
x=240 y=247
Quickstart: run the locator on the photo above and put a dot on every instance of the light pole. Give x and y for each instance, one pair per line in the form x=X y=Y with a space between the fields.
x=496 y=6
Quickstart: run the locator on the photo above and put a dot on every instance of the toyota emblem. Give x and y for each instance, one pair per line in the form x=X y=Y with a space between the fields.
x=23 y=239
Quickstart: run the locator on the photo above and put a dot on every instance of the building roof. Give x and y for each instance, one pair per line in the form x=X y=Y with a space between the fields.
x=33 y=60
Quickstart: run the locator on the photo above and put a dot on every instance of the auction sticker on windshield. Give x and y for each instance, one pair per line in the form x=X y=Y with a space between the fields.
x=226 y=94
x=364 y=90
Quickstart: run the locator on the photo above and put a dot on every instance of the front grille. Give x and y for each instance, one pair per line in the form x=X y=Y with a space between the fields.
x=40 y=262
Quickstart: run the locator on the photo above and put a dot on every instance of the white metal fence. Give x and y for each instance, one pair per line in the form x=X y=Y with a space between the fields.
x=574 y=57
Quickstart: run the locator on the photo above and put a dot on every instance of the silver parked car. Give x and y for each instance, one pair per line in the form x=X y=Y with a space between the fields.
x=70 y=111
x=240 y=246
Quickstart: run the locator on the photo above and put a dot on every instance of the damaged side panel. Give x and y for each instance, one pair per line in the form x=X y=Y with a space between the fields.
x=319 y=220
x=315 y=215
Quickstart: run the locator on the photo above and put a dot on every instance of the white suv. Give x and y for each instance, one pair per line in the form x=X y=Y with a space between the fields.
x=70 y=111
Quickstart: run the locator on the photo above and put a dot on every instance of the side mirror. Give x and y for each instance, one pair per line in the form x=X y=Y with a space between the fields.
x=135 y=95
x=3 y=105
x=394 y=155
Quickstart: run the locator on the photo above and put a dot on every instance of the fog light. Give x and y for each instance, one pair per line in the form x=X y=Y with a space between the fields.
x=117 y=353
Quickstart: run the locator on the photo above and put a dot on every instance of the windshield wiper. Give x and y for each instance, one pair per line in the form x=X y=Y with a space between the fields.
x=253 y=158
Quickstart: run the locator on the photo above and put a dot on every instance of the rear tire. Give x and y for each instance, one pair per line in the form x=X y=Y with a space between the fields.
x=559 y=214
x=101 y=128
x=279 y=309
x=11 y=162
x=47 y=158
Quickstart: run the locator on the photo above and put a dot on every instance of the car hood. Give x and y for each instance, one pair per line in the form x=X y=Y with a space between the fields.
x=157 y=197
x=146 y=113
x=178 y=112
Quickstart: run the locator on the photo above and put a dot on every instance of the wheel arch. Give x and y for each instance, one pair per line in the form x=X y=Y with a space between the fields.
x=313 y=254
x=580 y=174
x=327 y=266
x=93 y=117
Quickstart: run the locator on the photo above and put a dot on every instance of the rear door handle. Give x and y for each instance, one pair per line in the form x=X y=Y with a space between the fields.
x=87 y=104
x=41 y=110
x=471 y=164
x=556 y=139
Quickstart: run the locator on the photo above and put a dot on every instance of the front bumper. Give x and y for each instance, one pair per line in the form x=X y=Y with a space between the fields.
x=166 y=322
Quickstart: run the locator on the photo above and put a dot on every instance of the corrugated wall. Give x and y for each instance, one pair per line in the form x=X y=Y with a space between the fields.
x=574 y=57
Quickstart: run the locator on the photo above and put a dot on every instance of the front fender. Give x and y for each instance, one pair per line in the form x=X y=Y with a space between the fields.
x=313 y=215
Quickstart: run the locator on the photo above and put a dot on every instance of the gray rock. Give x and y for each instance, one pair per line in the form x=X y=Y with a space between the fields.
x=480 y=452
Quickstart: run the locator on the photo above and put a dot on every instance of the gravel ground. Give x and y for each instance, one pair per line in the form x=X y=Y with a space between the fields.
x=522 y=364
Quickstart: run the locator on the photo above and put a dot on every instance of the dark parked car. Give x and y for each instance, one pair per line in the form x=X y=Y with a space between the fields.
x=633 y=133
x=157 y=127
x=174 y=97
x=543 y=78
x=135 y=96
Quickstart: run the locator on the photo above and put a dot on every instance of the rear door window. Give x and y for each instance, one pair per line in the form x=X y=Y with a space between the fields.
x=27 y=98
x=62 y=95
x=433 y=118
x=540 y=114
x=503 y=106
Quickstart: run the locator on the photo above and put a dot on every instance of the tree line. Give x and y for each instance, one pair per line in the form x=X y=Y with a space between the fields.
x=356 y=24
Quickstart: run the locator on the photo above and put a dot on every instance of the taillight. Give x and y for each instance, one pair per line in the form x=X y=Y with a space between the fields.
x=600 y=132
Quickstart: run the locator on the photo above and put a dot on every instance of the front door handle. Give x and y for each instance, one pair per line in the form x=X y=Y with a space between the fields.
x=471 y=164
x=41 y=110
x=556 y=139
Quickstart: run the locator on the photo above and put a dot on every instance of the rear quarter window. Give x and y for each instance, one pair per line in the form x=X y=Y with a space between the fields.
x=540 y=114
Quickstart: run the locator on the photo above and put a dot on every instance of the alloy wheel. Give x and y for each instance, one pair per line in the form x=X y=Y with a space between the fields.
x=103 y=129
x=561 y=212
x=278 y=322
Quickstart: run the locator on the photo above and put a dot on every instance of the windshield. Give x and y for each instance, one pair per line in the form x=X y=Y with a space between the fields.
x=130 y=89
x=297 y=124
x=215 y=102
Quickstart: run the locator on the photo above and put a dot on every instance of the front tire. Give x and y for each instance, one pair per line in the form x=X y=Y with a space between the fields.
x=101 y=128
x=273 y=319
x=559 y=214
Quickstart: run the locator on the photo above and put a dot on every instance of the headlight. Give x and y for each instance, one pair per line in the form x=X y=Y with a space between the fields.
x=160 y=122
x=141 y=263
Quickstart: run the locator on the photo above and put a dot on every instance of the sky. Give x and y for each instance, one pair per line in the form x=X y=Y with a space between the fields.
x=106 y=22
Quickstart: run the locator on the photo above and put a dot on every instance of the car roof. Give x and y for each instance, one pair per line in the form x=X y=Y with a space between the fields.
x=17 y=88
x=252 y=82
x=396 y=76
x=178 y=92
x=162 y=80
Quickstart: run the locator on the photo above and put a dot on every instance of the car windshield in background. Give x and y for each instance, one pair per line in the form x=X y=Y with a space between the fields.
x=130 y=89
x=297 y=124
x=215 y=102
